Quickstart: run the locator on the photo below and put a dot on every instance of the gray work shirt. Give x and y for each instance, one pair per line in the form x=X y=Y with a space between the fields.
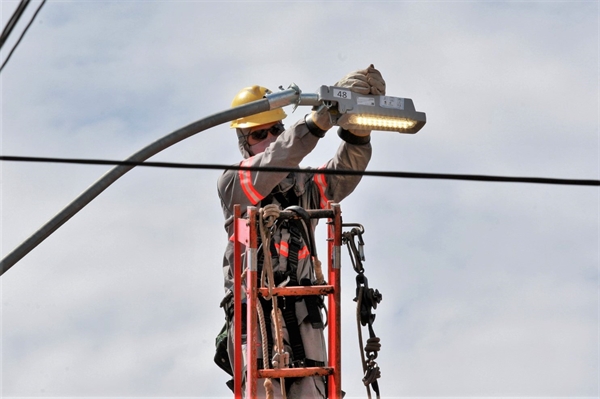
x=314 y=190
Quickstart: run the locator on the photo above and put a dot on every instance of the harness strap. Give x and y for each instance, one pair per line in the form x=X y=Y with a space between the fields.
x=289 y=303
x=267 y=306
x=285 y=199
x=298 y=238
x=313 y=303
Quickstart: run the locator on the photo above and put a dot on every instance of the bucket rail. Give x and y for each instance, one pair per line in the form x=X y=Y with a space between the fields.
x=246 y=234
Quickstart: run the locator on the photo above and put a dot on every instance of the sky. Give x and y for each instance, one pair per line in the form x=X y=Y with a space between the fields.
x=489 y=289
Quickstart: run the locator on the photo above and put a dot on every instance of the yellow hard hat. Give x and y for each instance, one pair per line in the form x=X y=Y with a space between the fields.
x=247 y=95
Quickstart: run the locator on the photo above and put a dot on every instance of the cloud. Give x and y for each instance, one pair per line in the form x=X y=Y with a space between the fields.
x=489 y=289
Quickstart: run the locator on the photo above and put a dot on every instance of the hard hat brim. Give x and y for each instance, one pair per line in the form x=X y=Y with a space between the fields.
x=263 y=118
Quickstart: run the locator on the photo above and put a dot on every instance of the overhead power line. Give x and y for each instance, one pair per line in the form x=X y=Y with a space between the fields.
x=12 y=22
x=176 y=136
x=22 y=33
x=393 y=174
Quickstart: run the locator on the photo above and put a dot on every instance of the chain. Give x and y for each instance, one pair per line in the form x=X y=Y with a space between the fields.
x=366 y=300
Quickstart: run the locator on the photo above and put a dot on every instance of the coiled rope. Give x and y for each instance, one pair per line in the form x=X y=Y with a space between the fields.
x=267 y=217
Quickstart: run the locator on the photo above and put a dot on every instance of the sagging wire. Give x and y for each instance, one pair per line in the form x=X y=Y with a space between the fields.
x=12 y=22
x=366 y=300
x=22 y=33
x=394 y=174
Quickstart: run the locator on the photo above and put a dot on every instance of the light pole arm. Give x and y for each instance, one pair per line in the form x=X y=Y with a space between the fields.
x=273 y=101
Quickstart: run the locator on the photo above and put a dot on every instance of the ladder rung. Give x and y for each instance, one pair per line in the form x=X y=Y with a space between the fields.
x=295 y=372
x=299 y=290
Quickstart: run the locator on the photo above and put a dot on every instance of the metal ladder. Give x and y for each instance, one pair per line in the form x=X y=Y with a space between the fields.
x=245 y=233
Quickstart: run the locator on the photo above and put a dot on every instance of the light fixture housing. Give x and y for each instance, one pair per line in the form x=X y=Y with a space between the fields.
x=369 y=112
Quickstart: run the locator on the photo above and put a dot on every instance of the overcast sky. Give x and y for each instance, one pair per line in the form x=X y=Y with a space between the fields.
x=489 y=289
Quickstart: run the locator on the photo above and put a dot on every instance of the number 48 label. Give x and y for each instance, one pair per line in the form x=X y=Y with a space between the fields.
x=345 y=94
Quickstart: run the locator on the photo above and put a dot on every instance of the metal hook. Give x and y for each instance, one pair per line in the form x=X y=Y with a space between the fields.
x=297 y=89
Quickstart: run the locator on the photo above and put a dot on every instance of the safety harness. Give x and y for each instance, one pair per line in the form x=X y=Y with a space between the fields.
x=300 y=234
x=301 y=237
x=301 y=241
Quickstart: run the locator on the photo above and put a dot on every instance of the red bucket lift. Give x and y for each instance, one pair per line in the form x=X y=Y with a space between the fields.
x=246 y=234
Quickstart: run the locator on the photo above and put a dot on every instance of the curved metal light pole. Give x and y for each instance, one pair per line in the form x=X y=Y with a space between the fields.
x=366 y=111
x=272 y=101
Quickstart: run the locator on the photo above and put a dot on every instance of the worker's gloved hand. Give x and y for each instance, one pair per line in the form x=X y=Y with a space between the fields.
x=355 y=81
x=321 y=117
x=363 y=81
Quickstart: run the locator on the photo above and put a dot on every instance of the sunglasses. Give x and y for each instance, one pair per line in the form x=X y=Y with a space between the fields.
x=260 y=135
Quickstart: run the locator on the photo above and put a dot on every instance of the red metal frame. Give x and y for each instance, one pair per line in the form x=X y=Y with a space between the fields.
x=335 y=311
x=245 y=232
x=237 y=294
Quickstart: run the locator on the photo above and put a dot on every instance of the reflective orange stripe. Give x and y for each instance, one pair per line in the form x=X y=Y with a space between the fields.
x=246 y=182
x=321 y=183
x=303 y=253
x=284 y=250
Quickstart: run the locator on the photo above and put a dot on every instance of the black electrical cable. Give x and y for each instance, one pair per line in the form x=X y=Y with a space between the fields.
x=272 y=101
x=22 y=35
x=12 y=22
x=407 y=175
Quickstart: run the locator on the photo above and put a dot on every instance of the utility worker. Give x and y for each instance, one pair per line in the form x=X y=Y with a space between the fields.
x=263 y=141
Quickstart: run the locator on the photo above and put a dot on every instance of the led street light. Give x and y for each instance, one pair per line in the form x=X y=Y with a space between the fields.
x=368 y=112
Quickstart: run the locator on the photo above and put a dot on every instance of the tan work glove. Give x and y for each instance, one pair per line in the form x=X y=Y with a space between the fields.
x=321 y=117
x=363 y=81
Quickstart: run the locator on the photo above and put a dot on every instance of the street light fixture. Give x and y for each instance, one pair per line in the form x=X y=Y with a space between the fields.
x=369 y=112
